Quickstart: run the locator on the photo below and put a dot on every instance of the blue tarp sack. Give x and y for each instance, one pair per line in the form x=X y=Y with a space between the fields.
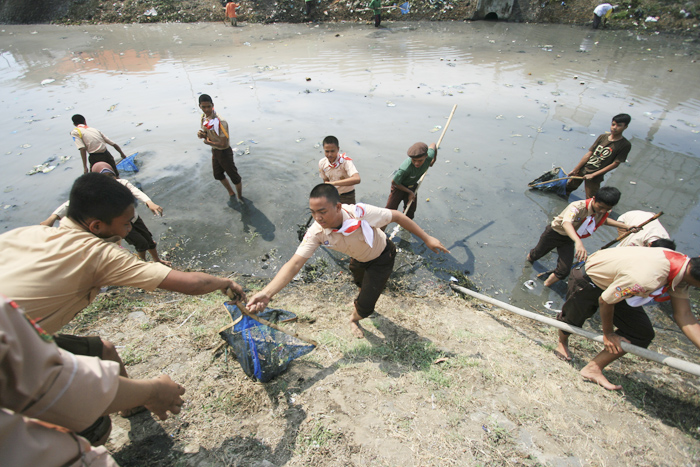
x=262 y=351
x=128 y=164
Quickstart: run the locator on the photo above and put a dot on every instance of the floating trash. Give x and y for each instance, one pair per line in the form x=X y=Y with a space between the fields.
x=112 y=107
x=436 y=128
x=63 y=159
x=151 y=12
x=530 y=284
x=566 y=128
x=26 y=146
x=500 y=117
x=633 y=183
x=47 y=81
x=548 y=305
x=246 y=44
x=390 y=104
x=299 y=140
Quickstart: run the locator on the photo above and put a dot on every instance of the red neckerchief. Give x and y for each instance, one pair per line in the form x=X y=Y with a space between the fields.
x=352 y=224
x=82 y=126
x=676 y=260
x=339 y=160
x=597 y=224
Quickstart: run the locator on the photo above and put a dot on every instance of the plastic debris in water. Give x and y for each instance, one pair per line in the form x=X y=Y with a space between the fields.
x=26 y=146
x=436 y=128
x=500 y=117
x=453 y=279
x=47 y=81
x=633 y=183
x=530 y=284
x=247 y=44
x=390 y=104
x=112 y=107
x=299 y=140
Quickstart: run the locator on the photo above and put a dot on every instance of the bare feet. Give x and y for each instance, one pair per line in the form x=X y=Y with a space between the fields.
x=357 y=330
x=167 y=263
x=529 y=260
x=593 y=373
x=562 y=350
x=551 y=280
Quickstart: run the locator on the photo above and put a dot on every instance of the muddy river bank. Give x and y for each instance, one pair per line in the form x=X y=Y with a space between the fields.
x=528 y=96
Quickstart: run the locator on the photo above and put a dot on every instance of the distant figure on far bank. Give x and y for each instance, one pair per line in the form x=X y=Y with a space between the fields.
x=231 y=12
x=93 y=142
x=601 y=13
x=608 y=151
x=214 y=132
x=338 y=170
x=376 y=5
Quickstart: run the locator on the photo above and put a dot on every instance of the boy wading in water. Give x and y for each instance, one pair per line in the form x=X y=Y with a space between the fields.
x=338 y=170
x=214 y=132
x=607 y=152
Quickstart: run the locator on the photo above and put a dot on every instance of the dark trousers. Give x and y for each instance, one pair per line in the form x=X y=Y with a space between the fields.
x=377 y=20
x=348 y=198
x=140 y=237
x=396 y=196
x=592 y=185
x=90 y=346
x=371 y=277
x=581 y=303
x=222 y=164
x=549 y=240
x=95 y=157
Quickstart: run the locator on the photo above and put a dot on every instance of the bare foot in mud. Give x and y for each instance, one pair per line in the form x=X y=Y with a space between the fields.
x=562 y=350
x=357 y=330
x=592 y=372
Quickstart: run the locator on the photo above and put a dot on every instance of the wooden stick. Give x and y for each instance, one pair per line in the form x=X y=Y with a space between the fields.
x=611 y=243
x=420 y=180
x=245 y=311
x=676 y=363
x=532 y=185
x=629 y=232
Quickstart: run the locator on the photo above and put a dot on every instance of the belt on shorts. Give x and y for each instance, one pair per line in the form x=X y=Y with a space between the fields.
x=585 y=276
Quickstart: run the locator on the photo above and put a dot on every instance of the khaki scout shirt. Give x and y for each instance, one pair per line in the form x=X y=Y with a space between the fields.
x=92 y=139
x=345 y=170
x=54 y=273
x=649 y=233
x=40 y=381
x=576 y=213
x=221 y=141
x=354 y=244
x=636 y=271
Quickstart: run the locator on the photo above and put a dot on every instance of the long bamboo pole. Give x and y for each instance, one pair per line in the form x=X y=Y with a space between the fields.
x=672 y=362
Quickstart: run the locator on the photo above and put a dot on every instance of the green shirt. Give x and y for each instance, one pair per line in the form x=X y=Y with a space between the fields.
x=408 y=174
x=376 y=5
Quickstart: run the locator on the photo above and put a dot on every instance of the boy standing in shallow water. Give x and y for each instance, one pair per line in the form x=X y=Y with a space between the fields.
x=405 y=181
x=338 y=170
x=214 y=132
x=607 y=152
x=92 y=144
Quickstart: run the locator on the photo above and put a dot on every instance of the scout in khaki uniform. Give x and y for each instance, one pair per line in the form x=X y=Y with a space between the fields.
x=356 y=231
x=579 y=220
x=43 y=399
x=650 y=233
x=405 y=182
x=55 y=273
x=215 y=133
x=93 y=142
x=338 y=170
x=620 y=281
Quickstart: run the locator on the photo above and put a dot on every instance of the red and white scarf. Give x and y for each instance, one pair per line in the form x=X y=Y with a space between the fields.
x=339 y=160
x=589 y=224
x=352 y=224
x=677 y=261
x=212 y=123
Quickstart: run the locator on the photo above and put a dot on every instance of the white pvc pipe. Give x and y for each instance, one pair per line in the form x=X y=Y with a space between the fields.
x=676 y=363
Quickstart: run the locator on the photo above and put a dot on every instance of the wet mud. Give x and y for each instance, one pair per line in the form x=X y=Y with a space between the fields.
x=529 y=97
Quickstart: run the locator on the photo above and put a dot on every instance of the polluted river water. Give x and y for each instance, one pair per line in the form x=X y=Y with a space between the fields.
x=529 y=97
